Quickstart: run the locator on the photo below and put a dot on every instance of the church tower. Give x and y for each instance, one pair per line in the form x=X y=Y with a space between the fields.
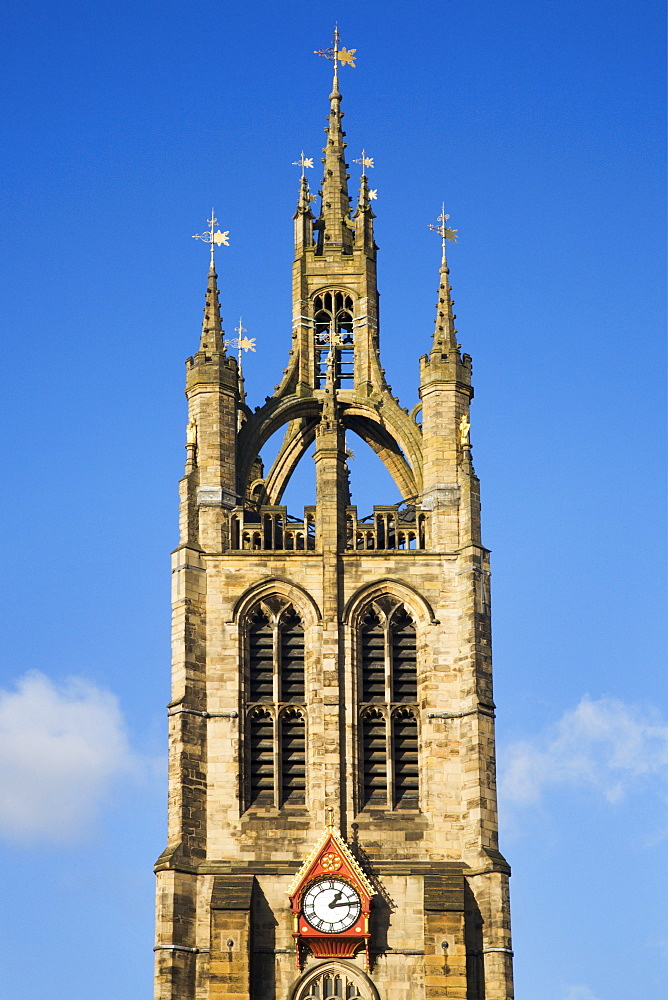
x=332 y=800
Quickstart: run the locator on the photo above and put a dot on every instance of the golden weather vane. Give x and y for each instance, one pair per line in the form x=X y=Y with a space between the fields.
x=213 y=237
x=345 y=57
x=364 y=162
x=303 y=162
x=444 y=232
x=241 y=343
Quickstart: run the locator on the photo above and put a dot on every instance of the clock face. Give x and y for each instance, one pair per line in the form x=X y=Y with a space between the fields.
x=331 y=905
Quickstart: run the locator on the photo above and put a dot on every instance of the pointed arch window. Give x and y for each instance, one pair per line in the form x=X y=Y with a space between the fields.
x=388 y=712
x=274 y=698
x=333 y=315
x=335 y=981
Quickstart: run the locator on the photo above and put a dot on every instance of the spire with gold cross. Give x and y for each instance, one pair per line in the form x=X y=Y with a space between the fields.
x=334 y=226
x=212 y=329
x=445 y=335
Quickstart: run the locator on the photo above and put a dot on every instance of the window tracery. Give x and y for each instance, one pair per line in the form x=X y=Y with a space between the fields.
x=274 y=695
x=335 y=983
x=333 y=315
x=388 y=711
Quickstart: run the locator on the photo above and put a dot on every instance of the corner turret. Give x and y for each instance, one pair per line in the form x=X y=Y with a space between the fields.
x=213 y=392
x=446 y=393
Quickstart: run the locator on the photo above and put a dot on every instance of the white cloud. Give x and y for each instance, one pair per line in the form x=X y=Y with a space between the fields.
x=580 y=993
x=60 y=749
x=603 y=744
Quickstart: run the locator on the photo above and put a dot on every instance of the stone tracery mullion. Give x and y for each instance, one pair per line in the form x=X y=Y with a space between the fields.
x=387 y=636
x=265 y=627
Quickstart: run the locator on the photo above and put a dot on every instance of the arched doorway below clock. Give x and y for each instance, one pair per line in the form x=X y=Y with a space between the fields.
x=334 y=981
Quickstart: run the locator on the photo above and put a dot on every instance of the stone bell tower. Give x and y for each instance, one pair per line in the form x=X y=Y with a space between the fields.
x=332 y=801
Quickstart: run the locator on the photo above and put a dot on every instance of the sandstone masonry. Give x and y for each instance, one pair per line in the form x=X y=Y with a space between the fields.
x=331 y=666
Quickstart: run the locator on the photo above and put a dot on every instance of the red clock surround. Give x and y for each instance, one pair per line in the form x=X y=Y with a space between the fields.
x=331 y=860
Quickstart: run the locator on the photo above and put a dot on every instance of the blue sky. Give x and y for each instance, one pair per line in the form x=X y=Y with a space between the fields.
x=541 y=127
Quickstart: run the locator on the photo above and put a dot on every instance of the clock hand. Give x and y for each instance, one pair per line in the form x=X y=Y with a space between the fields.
x=335 y=900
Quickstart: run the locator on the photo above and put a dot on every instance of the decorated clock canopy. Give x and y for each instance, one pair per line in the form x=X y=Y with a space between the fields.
x=330 y=899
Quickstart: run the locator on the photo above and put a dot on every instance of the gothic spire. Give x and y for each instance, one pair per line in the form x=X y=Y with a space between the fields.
x=445 y=335
x=304 y=200
x=334 y=223
x=212 y=330
x=364 y=214
x=303 y=217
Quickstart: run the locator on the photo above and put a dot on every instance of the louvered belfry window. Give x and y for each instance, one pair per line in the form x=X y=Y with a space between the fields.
x=374 y=757
x=405 y=752
x=388 y=712
x=261 y=738
x=291 y=632
x=261 y=658
x=293 y=756
x=274 y=695
x=404 y=664
x=373 y=658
